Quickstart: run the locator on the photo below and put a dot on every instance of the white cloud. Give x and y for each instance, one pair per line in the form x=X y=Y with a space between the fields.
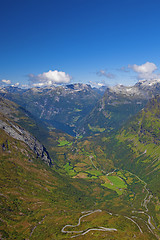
x=100 y=84
x=15 y=85
x=49 y=78
x=6 y=81
x=105 y=74
x=97 y=84
x=40 y=84
x=145 y=71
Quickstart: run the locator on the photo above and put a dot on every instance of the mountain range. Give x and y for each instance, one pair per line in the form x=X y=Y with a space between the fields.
x=61 y=107
x=78 y=162
x=79 y=109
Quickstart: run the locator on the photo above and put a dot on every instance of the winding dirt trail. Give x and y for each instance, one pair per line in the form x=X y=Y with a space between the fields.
x=83 y=232
x=144 y=204
x=36 y=226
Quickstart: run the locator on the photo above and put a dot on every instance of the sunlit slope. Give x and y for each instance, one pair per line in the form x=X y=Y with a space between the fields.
x=142 y=139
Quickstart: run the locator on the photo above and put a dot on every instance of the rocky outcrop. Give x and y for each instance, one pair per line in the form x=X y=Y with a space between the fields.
x=20 y=134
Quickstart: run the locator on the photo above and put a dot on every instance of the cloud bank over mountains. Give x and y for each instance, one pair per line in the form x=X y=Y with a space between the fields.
x=44 y=79
x=147 y=71
x=6 y=81
x=49 y=78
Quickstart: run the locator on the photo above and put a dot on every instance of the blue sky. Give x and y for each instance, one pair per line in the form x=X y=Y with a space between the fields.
x=108 y=41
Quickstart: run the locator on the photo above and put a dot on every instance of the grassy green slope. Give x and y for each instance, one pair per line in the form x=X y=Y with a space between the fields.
x=142 y=138
x=37 y=201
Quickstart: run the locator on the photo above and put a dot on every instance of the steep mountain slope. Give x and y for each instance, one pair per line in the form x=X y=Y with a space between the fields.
x=62 y=107
x=118 y=104
x=34 y=198
x=8 y=108
x=142 y=136
x=23 y=118
x=40 y=202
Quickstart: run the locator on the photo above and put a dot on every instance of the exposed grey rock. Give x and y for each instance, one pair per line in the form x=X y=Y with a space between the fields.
x=22 y=135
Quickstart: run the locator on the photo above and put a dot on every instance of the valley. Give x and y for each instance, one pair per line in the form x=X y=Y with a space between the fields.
x=99 y=185
x=132 y=218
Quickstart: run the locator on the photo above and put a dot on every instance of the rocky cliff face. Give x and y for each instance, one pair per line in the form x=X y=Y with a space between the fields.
x=20 y=134
x=10 y=116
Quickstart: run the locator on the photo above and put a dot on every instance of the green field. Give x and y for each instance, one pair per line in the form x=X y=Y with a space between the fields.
x=63 y=143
